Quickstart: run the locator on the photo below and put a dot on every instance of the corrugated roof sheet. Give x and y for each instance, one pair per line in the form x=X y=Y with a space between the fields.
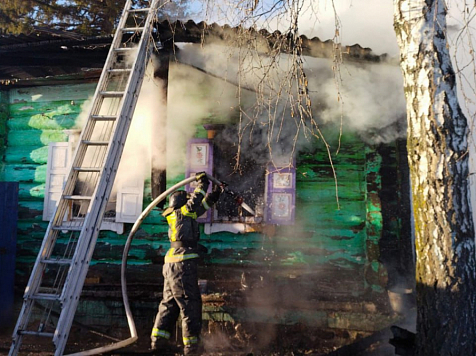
x=45 y=55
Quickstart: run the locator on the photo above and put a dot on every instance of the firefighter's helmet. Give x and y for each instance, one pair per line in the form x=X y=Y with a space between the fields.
x=178 y=199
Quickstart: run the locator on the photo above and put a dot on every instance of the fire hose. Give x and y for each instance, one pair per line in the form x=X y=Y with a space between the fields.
x=135 y=227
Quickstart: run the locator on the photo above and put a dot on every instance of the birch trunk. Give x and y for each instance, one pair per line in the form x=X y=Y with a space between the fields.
x=438 y=158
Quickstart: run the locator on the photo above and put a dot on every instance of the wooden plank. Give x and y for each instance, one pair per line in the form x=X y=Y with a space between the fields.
x=316 y=212
x=44 y=121
x=26 y=154
x=326 y=193
x=25 y=173
x=30 y=209
x=313 y=170
x=49 y=108
x=28 y=191
x=35 y=137
x=52 y=93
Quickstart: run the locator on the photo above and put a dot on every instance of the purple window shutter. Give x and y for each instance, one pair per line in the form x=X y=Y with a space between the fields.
x=281 y=195
x=199 y=159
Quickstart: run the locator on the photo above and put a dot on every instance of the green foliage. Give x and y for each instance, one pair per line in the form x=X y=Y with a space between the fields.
x=88 y=17
x=85 y=17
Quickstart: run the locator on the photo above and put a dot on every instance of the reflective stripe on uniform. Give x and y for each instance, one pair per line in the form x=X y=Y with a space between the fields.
x=160 y=333
x=185 y=212
x=205 y=204
x=199 y=191
x=170 y=252
x=172 y=220
x=170 y=257
x=190 y=340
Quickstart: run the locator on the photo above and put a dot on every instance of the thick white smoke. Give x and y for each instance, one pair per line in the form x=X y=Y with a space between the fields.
x=193 y=98
x=149 y=113
x=368 y=99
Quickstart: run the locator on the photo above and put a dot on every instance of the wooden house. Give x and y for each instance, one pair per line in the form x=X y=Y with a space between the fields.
x=329 y=242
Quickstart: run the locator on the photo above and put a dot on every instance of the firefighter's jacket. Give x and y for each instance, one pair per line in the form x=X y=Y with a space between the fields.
x=184 y=232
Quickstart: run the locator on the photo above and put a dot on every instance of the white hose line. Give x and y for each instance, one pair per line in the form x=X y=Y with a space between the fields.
x=130 y=319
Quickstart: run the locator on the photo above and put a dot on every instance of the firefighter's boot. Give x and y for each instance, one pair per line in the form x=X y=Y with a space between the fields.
x=193 y=350
x=160 y=344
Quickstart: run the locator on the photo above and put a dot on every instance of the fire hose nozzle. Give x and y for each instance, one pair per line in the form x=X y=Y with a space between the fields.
x=239 y=199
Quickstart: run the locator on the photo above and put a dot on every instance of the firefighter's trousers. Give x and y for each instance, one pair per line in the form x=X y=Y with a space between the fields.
x=181 y=297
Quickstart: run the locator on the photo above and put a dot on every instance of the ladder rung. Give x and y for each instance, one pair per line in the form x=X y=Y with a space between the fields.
x=87 y=169
x=62 y=261
x=76 y=197
x=95 y=143
x=139 y=10
x=35 y=333
x=44 y=296
x=121 y=70
x=125 y=49
x=112 y=94
x=67 y=228
x=103 y=117
x=132 y=29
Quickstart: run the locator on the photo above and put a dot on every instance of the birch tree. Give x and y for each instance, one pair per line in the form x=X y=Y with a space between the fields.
x=438 y=157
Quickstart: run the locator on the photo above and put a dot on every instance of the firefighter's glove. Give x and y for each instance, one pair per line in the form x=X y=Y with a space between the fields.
x=201 y=177
x=215 y=194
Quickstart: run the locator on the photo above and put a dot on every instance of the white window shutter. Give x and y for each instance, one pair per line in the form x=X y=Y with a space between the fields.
x=130 y=193
x=57 y=169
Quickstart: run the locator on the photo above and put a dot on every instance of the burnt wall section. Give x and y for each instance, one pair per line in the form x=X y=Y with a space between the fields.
x=375 y=273
x=395 y=245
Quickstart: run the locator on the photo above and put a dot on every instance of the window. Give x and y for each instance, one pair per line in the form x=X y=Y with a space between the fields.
x=280 y=197
x=125 y=202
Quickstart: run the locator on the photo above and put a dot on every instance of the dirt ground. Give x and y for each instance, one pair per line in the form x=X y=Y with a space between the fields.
x=219 y=340
x=80 y=339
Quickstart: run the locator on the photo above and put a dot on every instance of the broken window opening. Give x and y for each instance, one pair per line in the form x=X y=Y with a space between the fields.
x=266 y=189
x=247 y=181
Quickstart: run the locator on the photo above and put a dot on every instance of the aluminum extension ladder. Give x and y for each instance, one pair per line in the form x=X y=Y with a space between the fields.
x=53 y=290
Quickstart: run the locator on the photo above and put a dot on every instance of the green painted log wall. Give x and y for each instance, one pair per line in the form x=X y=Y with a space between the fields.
x=339 y=235
x=36 y=117
x=336 y=234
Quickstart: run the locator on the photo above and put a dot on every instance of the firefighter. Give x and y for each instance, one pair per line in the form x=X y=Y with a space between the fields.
x=181 y=293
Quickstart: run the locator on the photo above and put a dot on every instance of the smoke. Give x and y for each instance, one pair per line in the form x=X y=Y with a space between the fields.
x=194 y=98
x=143 y=135
x=368 y=98
x=371 y=102
x=84 y=114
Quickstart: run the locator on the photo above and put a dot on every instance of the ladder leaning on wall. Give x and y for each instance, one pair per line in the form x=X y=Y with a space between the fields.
x=53 y=290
